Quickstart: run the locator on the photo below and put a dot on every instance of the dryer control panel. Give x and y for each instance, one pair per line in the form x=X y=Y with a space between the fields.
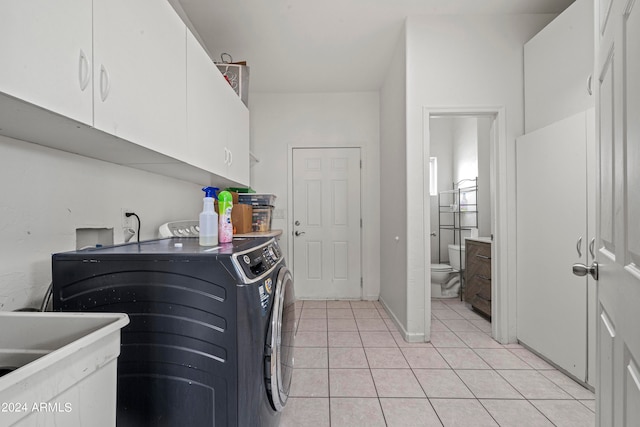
x=258 y=262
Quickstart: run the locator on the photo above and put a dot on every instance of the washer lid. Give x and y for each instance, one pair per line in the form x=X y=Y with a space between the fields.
x=441 y=267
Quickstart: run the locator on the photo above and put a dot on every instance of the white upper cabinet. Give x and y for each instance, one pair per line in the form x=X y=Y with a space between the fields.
x=558 y=67
x=110 y=79
x=206 y=124
x=46 y=55
x=139 y=73
x=237 y=140
x=217 y=120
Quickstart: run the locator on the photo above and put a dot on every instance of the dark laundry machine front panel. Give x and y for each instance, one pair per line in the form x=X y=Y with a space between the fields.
x=195 y=330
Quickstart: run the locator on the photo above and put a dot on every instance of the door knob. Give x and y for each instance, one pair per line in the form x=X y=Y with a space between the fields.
x=299 y=233
x=583 y=270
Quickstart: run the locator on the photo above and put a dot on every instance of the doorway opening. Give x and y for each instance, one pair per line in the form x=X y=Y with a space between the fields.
x=468 y=145
x=460 y=204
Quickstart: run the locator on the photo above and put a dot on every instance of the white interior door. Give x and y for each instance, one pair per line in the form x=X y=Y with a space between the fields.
x=326 y=223
x=618 y=212
x=551 y=229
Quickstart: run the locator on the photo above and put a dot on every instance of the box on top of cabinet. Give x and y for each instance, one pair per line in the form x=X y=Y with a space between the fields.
x=237 y=74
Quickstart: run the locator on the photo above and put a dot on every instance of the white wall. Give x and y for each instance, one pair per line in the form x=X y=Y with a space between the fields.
x=465 y=167
x=280 y=121
x=484 y=176
x=465 y=149
x=393 y=189
x=47 y=194
x=464 y=61
x=441 y=130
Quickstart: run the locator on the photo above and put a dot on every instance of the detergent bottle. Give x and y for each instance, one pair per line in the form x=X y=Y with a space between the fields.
x=225 y=205
x=209 y=219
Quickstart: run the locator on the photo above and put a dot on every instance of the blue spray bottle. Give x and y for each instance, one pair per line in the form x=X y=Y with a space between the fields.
x=209 y=219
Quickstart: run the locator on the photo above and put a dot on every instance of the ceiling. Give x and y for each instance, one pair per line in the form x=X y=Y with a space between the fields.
x=323 y=45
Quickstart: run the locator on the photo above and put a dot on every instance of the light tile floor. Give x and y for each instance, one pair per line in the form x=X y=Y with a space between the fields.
x=353 y=368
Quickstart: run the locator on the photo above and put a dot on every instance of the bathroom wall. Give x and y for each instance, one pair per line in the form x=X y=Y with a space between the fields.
x=465 y=148
x=484 y=176
x=47 y=194
x=441 y=133
x=462 y=146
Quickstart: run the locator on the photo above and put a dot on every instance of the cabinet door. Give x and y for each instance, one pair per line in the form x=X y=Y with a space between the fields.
x=478 y=276
x=557 y=64
x=238 y=141
x=551 y=226
x=217 y=120
x=140 y=73
x=46 y=54
x=206 y=122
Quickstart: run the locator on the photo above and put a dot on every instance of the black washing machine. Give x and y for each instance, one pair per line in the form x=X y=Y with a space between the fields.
x=210 y=342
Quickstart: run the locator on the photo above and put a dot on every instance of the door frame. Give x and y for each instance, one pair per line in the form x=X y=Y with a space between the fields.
x=289 y=221
x=503 y=310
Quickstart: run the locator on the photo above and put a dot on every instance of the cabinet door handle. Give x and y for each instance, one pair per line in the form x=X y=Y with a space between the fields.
x=83 y=71
x=482 y=256
x=589 y=83
x=230 y=157
x=592 y=245
x=105 y=83
x=579 y=247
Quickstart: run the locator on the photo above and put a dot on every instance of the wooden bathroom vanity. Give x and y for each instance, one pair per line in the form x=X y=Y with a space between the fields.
x=477 y=289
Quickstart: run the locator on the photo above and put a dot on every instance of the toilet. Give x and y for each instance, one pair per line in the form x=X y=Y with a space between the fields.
x=445 y=278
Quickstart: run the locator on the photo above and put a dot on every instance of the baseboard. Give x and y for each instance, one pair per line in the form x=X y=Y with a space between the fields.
x=408 y=337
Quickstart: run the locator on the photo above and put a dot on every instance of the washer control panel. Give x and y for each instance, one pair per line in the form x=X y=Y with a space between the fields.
x=187 y=228
x=259 y=261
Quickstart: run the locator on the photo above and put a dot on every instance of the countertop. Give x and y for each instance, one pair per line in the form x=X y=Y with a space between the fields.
x=479 y=239
x=272 y=233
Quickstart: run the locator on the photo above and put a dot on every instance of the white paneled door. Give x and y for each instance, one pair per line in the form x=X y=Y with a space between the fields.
x=618 y=212
x=326 y=223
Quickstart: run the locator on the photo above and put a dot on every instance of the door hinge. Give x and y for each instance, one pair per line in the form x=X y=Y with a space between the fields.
x=360 y=164
x=361 y=282
x=360 y=222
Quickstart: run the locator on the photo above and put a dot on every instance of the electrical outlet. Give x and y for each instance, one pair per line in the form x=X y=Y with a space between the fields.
x=126 y=221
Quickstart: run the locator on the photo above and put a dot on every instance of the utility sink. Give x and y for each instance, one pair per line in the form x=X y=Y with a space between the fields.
x=59 y=369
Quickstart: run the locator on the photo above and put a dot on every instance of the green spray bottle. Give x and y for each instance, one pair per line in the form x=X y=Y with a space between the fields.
x=225 y=228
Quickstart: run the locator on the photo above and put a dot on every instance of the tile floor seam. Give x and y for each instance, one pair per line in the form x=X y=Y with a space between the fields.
x=532 y=405
x=515 y=388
